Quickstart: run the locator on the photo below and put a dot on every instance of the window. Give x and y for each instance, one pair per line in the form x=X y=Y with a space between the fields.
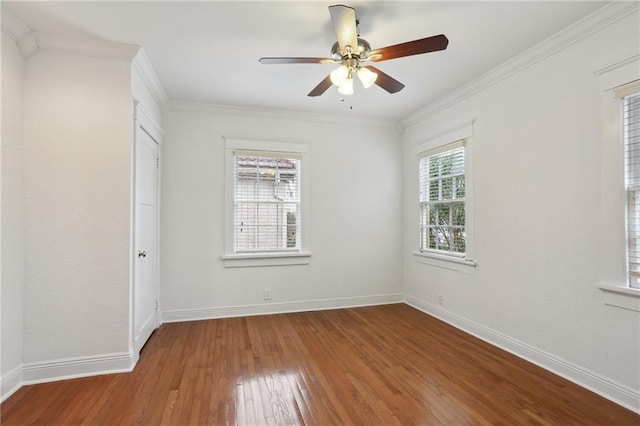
x=620 y=183
x=266 y=202
x=442 y=200
x=267 y=211
x=631 y=136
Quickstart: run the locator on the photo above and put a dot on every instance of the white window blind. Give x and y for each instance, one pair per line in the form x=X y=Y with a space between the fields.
x=631 y=132
x=266 y=203
x=442 y=200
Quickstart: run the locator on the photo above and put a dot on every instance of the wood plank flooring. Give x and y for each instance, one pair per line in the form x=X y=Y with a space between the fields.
x=382 y=365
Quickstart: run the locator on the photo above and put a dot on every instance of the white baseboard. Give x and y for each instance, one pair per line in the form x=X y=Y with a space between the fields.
x=279 y=308
x=10 y=382
x=73 y=368
x=607 y=388
x=64 y=369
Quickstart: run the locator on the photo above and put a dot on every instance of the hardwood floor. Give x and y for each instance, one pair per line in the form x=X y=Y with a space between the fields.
x=382 y=365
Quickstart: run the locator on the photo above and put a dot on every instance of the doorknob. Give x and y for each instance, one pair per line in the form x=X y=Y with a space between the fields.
x=142 y=254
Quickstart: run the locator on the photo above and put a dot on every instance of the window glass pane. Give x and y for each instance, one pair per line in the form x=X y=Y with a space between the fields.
x=423 y=184
x=266 y=191
x=431 y=220
x=458 y=163
x=442 y=241
x=434 y=166
x=267 y=236
x=434 y=191
x=460 y=187
x=423 y=223
x=631 y=133
x=432 y=239
x=446 y=165
x=458 y=240
x=457 y=214
x=443 y=214
x=442 y=221
x=447 y=189
x=292 y=229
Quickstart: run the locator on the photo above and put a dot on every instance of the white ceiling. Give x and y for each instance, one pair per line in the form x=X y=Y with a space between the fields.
x=207 y=51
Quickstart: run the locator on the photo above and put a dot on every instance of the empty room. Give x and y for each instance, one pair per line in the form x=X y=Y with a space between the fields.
x=304 y=212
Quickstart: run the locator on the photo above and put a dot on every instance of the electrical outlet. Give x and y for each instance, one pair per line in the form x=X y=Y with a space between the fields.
x=267 y=294
x=440 y=299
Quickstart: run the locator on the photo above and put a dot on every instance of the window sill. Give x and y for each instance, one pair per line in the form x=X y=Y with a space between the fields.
x=266 y=259
x=621 y=297
x=453 y=263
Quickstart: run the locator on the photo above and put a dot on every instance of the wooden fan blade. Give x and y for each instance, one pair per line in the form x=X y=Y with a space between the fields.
x=269 y=61
x=385 y=81
x=343 y=19
x=415 y=47
x=322 y=87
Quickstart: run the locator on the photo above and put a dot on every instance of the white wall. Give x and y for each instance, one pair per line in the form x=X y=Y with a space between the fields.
x=77 y=146
x=537 y=155
x=12 y=230
x=355 y=198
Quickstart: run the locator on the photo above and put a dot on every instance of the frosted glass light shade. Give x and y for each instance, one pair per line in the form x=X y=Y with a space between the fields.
x=367 y=77
x=346 y=88
x=339 y=75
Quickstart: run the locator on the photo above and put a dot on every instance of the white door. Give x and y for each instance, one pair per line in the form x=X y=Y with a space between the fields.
x=145 y=245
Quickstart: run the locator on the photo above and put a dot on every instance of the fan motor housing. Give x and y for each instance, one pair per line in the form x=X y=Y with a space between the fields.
x=362 y=52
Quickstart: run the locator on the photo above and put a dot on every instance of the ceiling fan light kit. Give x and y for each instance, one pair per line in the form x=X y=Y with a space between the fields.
x=351 y=52
x=346 y=88
x=367 y=77
x=340 y=75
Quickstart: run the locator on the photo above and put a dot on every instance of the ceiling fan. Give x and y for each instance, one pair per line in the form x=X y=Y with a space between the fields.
x=351 y=52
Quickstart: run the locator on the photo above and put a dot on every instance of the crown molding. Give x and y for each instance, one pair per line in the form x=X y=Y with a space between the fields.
x=13 y=26
x=86 y=47
x=615 y=76
x=144 y=67
x=17 y=30
x=201 y=107
x=591 y=24
x=618 y=64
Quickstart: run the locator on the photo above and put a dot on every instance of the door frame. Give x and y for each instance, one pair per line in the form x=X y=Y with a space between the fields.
x=142 y=121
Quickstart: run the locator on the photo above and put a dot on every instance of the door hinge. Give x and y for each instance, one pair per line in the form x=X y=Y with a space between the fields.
x=156 y=305
x=157 y=163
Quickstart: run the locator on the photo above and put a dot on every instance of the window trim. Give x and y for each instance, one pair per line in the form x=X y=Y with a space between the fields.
x=300 y=256
x=454 y=261
x=613 y=281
